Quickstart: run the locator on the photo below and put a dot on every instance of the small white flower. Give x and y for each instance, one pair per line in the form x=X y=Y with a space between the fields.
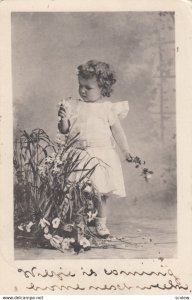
x=84 y=242
x=48 y=236
x=60 y=141
x=58 y=161
x=21 y=227
x=56 y=222
x=95 y=214
x=68 y=227
x=28 y=226
x=46 y=229
x=55 y=170
x=42 y=169
x=92 y=216
x=48 y=159
x=43 y=222
x=65 y=188
x=58 y=239
x=65 y=245
x=88 y=189
x=53 y=243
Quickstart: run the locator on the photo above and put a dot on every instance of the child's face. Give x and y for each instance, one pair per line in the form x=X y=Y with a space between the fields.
x=89 y=89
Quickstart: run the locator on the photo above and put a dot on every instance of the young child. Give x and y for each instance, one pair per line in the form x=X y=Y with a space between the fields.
x=98 y=122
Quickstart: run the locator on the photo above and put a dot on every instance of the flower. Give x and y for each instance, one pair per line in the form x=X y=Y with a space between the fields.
x=43 y=222
x=58 y=238
x=56 y=241
x=147 y=174
x=53 y=155
x=58 y=161
x=84 y=242
x=56 y=222
x=29 y=225
x=55 y=169
x=68 y=227
x=65 y=245
x=46 y=229
x=91 y=216
x=48 y=159
x=48 y=236
x=21 y=227
x=65 y=103
x=72 y=240
x=42 y=169
x=59 y=139
x=88 y=189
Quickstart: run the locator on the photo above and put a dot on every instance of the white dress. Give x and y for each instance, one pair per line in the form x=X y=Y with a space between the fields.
x=93 y=121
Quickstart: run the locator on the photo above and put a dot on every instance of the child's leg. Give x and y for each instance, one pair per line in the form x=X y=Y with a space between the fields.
x=102 y=206
x=100 y=224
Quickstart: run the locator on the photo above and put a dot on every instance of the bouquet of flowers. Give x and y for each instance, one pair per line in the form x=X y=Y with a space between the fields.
x=145 y=172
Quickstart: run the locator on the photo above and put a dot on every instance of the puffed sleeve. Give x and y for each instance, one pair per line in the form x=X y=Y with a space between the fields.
x=117 y=110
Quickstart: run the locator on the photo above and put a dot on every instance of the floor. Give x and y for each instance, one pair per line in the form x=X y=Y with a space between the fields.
x=149 y=226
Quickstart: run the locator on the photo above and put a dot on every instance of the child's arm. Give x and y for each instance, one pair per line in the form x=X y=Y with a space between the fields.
x=120 y=138
x=64 y=123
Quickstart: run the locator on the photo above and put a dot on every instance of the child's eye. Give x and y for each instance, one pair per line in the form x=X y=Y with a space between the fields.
x=85 y=87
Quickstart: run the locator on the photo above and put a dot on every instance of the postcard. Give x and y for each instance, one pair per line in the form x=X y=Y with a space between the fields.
x=96 y=143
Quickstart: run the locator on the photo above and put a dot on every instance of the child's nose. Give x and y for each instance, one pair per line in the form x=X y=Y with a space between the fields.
x=83 y=90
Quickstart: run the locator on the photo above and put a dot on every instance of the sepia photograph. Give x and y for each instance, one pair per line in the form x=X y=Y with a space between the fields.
x=94 y=135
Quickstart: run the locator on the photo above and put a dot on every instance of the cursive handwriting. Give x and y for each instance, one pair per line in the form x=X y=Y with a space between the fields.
x=151 y=280
x=52 y=274
x=55 y=288
x=115 y=272
x=112 y=287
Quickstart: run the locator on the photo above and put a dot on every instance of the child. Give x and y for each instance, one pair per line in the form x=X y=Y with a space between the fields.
x=98 y=123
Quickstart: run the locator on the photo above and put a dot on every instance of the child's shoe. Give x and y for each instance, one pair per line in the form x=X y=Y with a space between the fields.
x=101 y=228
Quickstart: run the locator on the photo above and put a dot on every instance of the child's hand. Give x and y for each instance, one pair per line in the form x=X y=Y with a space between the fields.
x=62 y=112
x=128 y=157
x=64 y=122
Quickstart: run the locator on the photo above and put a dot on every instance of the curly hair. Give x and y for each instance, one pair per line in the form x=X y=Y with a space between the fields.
x=102 y=71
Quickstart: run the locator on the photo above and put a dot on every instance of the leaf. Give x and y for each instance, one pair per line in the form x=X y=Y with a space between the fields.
x=90 y=172
x=72 y=141
x=47 y=210
x=70 y=210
